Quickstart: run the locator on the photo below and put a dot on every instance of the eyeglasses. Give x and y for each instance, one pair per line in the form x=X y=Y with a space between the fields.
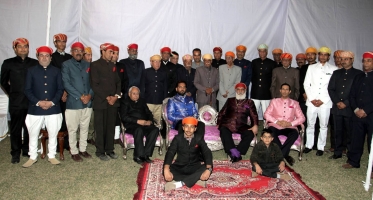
x=77 y=51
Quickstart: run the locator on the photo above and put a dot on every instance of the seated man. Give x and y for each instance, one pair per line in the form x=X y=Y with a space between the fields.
x=283 y=115
x=238 y=116
x=193 y=164
x=181 y=106
x=139 y=122
x=266 y=158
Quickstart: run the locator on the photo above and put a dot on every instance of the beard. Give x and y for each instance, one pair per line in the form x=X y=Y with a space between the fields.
x=240 y=96
x=133 y=57
x=181 y=93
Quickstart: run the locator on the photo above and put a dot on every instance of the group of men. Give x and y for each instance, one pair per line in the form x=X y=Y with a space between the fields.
x=70 y=93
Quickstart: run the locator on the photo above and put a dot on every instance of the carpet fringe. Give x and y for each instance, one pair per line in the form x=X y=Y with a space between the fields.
x=141 y=180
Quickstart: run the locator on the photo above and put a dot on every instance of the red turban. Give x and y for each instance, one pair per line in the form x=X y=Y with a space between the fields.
x=368 y=54
x=231 y=54
x=218 y=49
x=60 y=36
x=20 y=41
x=300 y=55
x=286 y=56
x=44 y=49
x=190 y=120
x=133 y=46
x=106 y=46
x=78 y=45
x=241 y=48
x=240 y=85
x=116 y=48
x=166 y=49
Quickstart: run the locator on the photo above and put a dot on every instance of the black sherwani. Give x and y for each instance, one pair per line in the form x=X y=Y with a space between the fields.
x=268 y=158
x=13 y=76
x=131 y=111
x=134 y=70
x=216 y=63
x=262 y=78
x=170 y=69
x=188 y=167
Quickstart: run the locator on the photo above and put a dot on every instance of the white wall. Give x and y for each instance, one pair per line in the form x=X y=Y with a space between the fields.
x=183 y=25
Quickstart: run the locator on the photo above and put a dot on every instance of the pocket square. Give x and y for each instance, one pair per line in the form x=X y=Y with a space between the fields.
x=291 y=106
x=196 y=146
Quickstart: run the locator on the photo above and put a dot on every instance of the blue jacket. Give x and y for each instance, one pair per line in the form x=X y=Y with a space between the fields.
x=43 y=84
x=247 y=71
x=179 y=107
x=75 y=78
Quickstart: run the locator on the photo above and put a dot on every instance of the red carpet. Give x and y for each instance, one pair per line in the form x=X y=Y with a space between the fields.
x=228 y=181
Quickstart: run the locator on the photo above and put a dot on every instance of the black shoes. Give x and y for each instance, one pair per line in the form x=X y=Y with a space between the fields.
x=307 y=150
x=15 y=160
x=235 y=159
x=112 y=155
x=335 y=157
x=319 y=153
x=104 y=157
x=290 y=160
x=138 y=160
x=147 y=159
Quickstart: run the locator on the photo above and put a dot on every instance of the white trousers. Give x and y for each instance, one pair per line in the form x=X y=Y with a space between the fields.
x=263 y=104
x=78 y=119
x=323 y=114
x=34 y=123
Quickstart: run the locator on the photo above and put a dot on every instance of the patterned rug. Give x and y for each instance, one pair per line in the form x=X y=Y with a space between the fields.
x=228 y=181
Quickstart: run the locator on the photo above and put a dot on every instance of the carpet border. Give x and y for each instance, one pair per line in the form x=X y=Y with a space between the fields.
x=141 y=179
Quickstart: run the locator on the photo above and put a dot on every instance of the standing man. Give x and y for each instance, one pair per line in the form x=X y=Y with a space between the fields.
x=175 y=59
x=87 y=55
x=238 y=116
x=276 y=56
x=285 y=74
x=187 y=74
x=75 y=79
x=339 y=90
x=170 y=69
x=106 y=86
x=44 y=89
x=217 y=61
x=283 y=116
x=229 y=76
x=261 y=79
x=245 y=65
x=318 y=99
x=207 y=83
x=154 y=87
x=133 y=66
x=197 y=58
x=361 y=98
x=301 y=60
x=13 y=75
x=338 y=59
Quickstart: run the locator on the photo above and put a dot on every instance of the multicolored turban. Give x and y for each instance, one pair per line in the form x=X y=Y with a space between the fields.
x=347 y=54
x=231 y=54
x=106 y=46
x=20 y=41
x=337 y=53
x=190 y=120
x=60 y=37
x=241 y=48
x=286 y=56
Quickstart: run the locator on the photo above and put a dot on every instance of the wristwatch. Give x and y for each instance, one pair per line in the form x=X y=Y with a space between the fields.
x=210 y=169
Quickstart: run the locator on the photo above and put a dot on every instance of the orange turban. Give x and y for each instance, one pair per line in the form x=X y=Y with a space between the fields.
x=20 y=41
x=286 y=56
x=44 y=49
x=337 y=53
x=60 y=37
x=347 y=54
x=88 y=50
x=241 y=48
x=311 y=50
x=300 y=55
x=240 y=85
x=231 y=54
x=276 y=51
x=190 y=120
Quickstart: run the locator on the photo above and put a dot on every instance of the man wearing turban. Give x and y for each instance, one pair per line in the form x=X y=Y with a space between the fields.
x=170 y=69
x=106 y=86
x=318 y=99
x=87 y=55
x=339 y=89
x=244 y=64
x=238 y=116
x=276 y=53
x=13 y=75
x=188 y=168
x=206 y=81
x=361 y=98
x=186 y=73
x=44 y=89
x=338 y=59
x=229 y=76
x=300 y=59
x=285 y=74
x=217 y=61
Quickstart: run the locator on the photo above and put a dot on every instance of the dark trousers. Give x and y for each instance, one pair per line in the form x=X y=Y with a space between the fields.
x=17 y=122
x=151 y=133
x=66 y=144
x=200 y=128
x=360 y=128
x=342 y=133
x=332 y=130
x=269 y=169
x=290 y=133
x=228 y=143
x=303 y=107
x=104 y=129
x=189 y=174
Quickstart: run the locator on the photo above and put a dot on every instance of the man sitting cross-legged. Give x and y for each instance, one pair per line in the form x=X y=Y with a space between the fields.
x=193 y=164
x=283 y=116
